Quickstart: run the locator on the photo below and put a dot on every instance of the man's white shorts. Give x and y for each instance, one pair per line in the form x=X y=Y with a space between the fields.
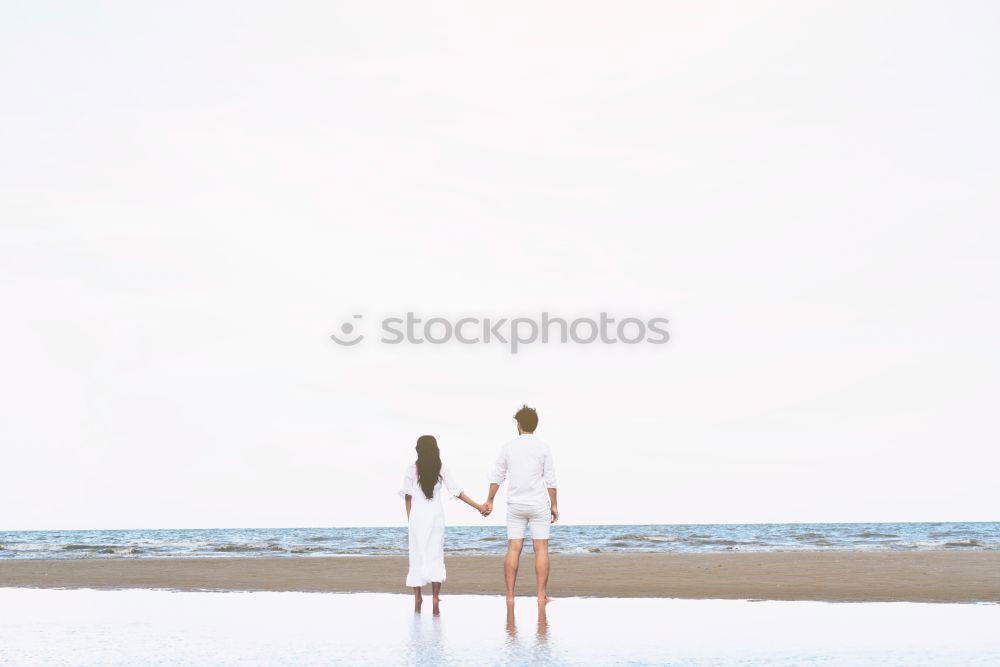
x=519 y=516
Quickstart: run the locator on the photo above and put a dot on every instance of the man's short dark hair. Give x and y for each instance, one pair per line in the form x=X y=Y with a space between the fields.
x=527 y=419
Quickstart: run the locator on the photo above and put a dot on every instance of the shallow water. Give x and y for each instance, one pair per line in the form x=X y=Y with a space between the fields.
x=473 y=540
x=131 y=627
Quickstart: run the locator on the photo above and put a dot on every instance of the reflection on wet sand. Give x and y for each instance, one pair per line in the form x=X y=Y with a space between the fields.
x=425 y=642
x=543 y=622
x=511 y=622
x=41 y=626
x=541 y=635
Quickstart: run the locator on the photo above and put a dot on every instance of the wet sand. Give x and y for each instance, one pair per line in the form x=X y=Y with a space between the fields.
x=831 y=576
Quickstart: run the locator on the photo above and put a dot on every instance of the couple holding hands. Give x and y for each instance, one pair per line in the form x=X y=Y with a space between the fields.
x=525 y=463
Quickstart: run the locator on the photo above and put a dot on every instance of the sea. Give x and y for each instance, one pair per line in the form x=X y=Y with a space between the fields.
x=491 y=540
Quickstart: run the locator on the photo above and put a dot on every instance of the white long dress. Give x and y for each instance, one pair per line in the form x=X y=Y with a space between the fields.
x=427 y=526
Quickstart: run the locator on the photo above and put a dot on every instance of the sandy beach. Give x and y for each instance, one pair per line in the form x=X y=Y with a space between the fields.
x=838 y=576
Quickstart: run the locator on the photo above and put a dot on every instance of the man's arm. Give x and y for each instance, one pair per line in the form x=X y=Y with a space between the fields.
x=488 y=505
x=549 y=474
x=496 y=479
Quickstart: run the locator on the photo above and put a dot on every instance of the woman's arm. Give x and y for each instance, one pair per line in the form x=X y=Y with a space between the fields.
x=469 y=501
x=452 y=486
x=408 y=500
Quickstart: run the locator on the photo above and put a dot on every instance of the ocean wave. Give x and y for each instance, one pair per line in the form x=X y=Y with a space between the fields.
x=936 y=545
x=122 y=551
x=647 y=538
x=275 y=548
x=25 y=546
x=116 y=549
x=964 y=543
x=242 y=548
x=908 y=545
x=723 y=542
x=630 y=540
x=874 y=533
x=90 y=547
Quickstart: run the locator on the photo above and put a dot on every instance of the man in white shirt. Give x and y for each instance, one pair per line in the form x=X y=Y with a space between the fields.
x=526 y=464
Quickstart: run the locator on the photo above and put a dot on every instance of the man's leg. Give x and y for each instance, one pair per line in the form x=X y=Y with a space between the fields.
x=541 y=567
x=510 y=563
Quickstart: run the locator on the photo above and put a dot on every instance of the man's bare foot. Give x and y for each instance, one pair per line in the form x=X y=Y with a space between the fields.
x=544 y=599
x=510 y=600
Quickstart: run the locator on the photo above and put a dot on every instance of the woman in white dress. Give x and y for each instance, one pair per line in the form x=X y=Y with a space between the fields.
x=425 y=482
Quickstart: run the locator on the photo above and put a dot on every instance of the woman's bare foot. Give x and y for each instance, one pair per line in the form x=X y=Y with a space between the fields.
x=437 y=608
x=418 y=599
x=544 y=599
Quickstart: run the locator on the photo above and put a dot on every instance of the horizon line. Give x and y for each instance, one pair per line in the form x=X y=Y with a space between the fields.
x=500 y=525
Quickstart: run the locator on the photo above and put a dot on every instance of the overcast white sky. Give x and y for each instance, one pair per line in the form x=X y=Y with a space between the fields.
x=193 y=197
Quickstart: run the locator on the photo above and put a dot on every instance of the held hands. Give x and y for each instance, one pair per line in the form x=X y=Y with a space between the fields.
x=483 y=509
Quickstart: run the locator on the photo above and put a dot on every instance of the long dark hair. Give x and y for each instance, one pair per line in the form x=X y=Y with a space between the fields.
x=428 y=464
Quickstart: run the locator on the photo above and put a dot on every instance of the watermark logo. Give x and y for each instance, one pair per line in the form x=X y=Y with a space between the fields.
x=514 y=333
x=347 y=330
